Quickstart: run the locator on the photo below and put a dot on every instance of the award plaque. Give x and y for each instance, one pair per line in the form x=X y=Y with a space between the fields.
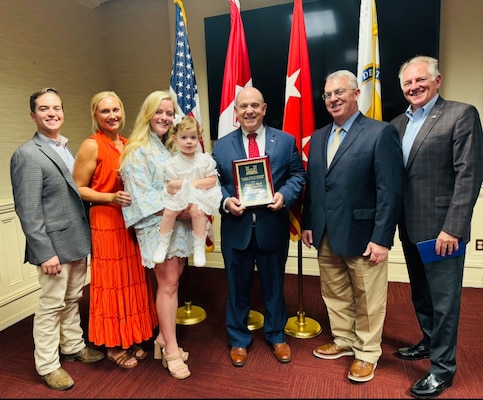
x=253 y=181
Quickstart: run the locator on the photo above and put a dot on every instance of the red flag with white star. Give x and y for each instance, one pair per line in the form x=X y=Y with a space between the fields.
x=298 y=118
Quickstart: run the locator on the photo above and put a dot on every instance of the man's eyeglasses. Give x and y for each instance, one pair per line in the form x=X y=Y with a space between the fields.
x=338 y=93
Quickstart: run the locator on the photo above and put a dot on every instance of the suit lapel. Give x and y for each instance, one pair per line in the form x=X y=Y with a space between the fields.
x=324 y=138
x=349 y=138
x=270 y=142
x=55 y=158
x=237 y=142
x=425 y=129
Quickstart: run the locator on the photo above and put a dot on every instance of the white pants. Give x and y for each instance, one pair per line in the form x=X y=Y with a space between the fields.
x=57 y=318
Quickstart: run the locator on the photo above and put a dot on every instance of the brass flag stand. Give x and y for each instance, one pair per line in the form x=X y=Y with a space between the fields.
x=189 y=314
x=255 y=320
x=300 y=326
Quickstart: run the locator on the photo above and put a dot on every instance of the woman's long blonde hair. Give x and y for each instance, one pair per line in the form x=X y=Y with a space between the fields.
x=141 y=133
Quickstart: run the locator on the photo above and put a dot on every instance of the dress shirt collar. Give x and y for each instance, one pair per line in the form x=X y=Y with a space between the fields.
x=347 y=124
x=260 y=132
x=426 y=108
x=52 y=142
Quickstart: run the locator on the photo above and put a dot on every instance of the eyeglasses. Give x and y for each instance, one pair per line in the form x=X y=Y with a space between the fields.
x=338 y=93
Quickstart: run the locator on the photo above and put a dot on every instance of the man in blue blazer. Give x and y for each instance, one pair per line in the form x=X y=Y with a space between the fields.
x=442 y=145
x=351 y=208
x=58 y=239
x=257 y=235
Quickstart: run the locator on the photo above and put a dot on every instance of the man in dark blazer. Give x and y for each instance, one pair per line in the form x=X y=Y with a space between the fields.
x=443 y=152
x=57 y=233
x=351 y=208
x=257 y=235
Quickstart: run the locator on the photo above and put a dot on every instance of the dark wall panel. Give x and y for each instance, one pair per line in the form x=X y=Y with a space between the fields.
x=406 y=28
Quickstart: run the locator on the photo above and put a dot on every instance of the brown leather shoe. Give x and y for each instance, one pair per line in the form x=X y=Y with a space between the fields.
x=58 y=379
x=331 y=351
x=238 y=356
x=281 y=352
x=361 y=371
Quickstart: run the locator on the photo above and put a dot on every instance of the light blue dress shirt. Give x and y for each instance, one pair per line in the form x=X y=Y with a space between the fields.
x=345 y=128
x=416 y=120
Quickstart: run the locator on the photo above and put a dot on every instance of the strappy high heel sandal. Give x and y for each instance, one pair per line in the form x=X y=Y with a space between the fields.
x=158 y=349
x=175 y=371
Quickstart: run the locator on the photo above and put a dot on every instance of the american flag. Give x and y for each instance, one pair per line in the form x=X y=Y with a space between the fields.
x=183 y=88
x=183 y=82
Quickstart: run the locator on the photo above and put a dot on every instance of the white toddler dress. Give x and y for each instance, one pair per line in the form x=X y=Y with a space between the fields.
x=178 y=166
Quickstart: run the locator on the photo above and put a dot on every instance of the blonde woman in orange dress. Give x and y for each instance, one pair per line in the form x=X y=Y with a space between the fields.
x=122 y=313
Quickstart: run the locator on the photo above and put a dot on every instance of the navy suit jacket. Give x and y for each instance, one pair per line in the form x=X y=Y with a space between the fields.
x=444 y=171
x=359 y=198
x=288 y=173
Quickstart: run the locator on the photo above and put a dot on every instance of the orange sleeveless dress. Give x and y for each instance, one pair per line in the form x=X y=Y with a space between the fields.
x=122 y=309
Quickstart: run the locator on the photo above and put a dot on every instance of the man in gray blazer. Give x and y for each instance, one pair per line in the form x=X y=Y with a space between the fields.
x=57 y=233
x=351 y=207
x=442 y=145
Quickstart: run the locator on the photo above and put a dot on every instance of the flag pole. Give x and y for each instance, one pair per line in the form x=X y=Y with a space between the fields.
x=189 y=314
x=185 y=92
x=298 y=120
x=301 y=326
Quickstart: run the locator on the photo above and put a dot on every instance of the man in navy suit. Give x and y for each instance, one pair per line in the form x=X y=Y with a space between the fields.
x=351 y=207
x=442 y=145
x=257 y=235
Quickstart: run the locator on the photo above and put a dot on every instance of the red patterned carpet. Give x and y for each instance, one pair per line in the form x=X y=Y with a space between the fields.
x=213 y=376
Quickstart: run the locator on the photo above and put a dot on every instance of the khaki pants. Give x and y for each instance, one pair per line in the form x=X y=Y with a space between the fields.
x=57 y=318
x=355 y=294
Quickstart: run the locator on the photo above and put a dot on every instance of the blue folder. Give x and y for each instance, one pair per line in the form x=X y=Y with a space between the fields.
x=428 y=254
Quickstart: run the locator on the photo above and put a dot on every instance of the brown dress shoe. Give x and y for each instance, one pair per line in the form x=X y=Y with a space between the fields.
x=58 y=379
x=282 y=352
x=238 y=356
x=331 y=351
x=361 y=371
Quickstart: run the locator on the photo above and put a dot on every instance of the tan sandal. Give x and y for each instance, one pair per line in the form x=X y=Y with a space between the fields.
x=175 y=371
x=158 y=349
x=121 y=360
x=138 y=352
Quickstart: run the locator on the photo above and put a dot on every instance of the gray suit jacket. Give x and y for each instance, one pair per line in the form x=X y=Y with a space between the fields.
x=48 y=204
x=444 y=172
